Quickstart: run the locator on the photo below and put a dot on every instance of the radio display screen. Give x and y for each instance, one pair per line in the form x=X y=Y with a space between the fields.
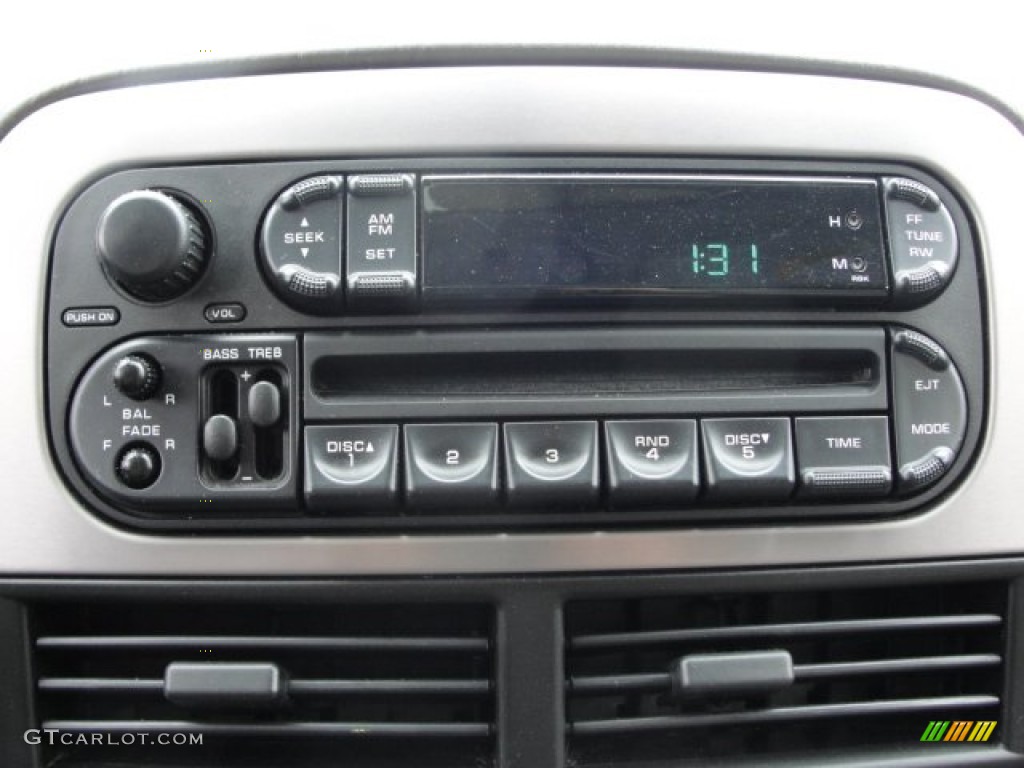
x=559 y=235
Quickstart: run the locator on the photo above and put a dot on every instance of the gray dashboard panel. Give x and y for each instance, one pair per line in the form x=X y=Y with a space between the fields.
x=54 y=152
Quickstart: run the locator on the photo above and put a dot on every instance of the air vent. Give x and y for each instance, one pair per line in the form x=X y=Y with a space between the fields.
x=307 y=685
x=780 y=675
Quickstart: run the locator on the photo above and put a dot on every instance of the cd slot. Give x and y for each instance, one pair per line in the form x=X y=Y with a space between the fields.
x=596 y=372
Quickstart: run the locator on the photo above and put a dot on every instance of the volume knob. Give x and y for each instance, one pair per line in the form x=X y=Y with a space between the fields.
x=152 y=244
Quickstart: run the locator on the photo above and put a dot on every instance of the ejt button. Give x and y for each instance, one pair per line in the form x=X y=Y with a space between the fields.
x=652 y=462
x=451 y=464
x=750 y=459
x=552 y=463
x=351 y=467
x=930 y=409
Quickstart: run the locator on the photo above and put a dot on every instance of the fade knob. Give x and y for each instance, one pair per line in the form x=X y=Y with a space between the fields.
x=152 y=244
x=138 y=467
x=137 y=377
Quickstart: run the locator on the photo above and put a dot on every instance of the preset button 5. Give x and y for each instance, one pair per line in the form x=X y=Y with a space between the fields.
x=749 y=459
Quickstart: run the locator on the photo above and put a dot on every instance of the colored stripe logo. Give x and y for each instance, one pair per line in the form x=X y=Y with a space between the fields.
x=959 y=730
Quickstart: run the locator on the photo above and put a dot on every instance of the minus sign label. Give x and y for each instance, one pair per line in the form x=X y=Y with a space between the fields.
x=247 y=478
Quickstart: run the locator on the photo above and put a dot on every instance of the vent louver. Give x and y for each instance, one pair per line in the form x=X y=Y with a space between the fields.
x=315 y=684
x=779 y=675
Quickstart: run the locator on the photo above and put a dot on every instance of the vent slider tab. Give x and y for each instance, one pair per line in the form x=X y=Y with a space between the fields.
x=709 y=674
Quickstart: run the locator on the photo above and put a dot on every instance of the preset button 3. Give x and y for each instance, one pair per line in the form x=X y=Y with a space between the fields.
x=552 y=463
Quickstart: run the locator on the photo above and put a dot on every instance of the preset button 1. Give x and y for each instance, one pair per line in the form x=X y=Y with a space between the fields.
x=451 y=464
x=552 y=462
x=351 y=467
x=652 y=462
x=748 y=459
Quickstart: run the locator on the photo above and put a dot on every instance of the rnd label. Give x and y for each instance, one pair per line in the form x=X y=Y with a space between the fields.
x=650 y=445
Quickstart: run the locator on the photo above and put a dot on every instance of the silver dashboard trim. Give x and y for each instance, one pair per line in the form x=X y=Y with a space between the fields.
x=55 y=151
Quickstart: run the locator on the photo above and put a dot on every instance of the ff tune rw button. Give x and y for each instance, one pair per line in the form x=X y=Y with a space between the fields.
x=922 y=240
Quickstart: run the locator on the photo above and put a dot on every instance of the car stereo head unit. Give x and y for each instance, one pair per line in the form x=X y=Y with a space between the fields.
x=535 y=342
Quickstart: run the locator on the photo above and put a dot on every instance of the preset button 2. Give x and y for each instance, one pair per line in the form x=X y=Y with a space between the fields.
x=451 y=464
x=749 y=458
x=552 y=462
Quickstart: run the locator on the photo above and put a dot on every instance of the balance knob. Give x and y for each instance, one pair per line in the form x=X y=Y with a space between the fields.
x=137 y=376
x=152 y=244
